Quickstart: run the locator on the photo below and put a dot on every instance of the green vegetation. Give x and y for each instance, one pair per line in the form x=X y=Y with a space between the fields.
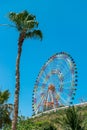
x=5 y=108
x=74 y=118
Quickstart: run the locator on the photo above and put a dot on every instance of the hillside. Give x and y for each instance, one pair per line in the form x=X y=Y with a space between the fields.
x=54 y=116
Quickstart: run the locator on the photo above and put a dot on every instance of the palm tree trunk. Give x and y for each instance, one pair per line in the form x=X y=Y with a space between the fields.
x=17 y=87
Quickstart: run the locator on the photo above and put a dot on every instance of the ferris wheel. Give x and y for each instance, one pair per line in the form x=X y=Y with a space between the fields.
x=56 y=83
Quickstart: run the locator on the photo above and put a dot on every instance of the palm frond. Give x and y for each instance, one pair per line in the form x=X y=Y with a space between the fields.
x=4 y=96
x=23 y=20
x=35 y=33
x=7 y=106
x=72 y=120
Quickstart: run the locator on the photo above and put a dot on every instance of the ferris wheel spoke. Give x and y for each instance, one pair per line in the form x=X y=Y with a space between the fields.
x=60 y=64
x=67 y=71
x=68 y=83
x=63 y=100
x=64 y=67
x=68 y=75
x=62 y=85
x=63 y=93
x=67 y=94
x=40 y=96
x=68 y=88
x=41 y=79
x=39 y=104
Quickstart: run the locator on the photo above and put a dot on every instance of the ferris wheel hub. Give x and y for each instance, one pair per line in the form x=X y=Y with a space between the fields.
x=51 y=87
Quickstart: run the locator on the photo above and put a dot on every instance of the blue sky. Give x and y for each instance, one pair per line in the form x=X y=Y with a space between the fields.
x=64 y=27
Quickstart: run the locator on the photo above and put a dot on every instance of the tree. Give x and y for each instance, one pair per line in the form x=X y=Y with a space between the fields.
x=27 y=26
x=5 y=109
x=72 y=120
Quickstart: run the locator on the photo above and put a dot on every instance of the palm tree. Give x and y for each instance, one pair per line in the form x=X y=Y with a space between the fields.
x=72 y=120
x=5 y=108
x=27 y=26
